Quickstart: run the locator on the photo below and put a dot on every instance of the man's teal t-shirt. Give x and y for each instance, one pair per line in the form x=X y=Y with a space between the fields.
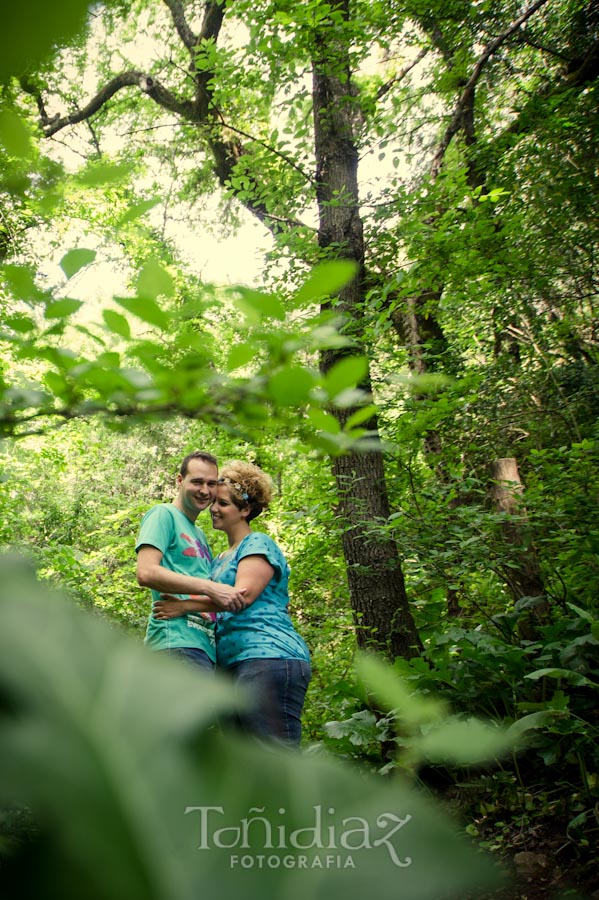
x=184 y=550
x=264 y=629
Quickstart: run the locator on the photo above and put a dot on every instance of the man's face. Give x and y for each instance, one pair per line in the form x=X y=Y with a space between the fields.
x=197 y=488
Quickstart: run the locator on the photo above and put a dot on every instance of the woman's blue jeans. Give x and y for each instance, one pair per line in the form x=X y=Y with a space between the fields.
x=277 y=690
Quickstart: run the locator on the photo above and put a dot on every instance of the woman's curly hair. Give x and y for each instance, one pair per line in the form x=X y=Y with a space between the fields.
x=249 y=486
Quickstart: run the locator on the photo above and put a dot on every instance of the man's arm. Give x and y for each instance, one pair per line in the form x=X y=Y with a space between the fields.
x=151 y=574
x=253 y=574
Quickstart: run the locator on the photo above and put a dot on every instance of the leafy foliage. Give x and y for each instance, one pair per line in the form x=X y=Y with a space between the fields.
x=477 y=132
x=114 y=752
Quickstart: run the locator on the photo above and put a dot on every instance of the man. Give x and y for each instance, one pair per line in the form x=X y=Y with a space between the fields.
x=173 y=557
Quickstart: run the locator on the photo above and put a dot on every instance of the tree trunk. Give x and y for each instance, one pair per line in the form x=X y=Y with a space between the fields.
x=378 y=597
x=382 y=615
x=523 y=579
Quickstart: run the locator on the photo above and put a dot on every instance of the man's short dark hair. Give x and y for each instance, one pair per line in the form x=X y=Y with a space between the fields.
x=197 y=454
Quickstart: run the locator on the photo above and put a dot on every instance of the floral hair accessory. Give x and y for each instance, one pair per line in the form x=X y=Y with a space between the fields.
x=235 y=484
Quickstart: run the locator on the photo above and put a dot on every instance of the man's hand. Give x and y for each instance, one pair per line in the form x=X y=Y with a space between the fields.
x=228 y=598
x=169 y=607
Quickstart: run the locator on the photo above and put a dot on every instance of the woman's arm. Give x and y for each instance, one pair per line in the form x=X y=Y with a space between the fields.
x=253 y=574
x=153 y=575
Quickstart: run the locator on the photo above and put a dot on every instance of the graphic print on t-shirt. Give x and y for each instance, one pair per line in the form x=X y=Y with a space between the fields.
x=196 y=549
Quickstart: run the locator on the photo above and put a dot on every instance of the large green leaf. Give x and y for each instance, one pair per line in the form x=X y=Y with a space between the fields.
x=15 y=137
x=240 y=355
x=30 y=31
x=346 y=373
x=98 y=172
x=257 y=305
x=21 y=282
x=429 y=731
x=76 y=259
x=291 y=386
x=145 y=309
x=136 y=794
x=462 y=742
x=154 y=281
x=137 y=210
x=61 y=309
x=566 y=674
x=325 y=280
x=116 y=323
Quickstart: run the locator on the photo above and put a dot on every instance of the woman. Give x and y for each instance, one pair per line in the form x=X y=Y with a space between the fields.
x=258 y=644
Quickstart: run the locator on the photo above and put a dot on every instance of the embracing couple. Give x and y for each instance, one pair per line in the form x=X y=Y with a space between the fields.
x=252 y=637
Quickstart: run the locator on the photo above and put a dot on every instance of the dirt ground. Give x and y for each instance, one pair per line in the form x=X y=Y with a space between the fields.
x=549 y=872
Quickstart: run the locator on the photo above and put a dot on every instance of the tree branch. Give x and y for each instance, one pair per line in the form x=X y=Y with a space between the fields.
x=385 y=88
x=287 y=159
x=226 y=154
x=579 y=74
x=466 y=97
x=525 y=38
x=183 y=30
x=132 y=78
x=214 y=13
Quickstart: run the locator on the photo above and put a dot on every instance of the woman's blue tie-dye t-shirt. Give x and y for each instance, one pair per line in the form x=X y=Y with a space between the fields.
x=264 y=629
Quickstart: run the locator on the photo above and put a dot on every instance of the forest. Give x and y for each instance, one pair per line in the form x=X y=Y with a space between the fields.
x=410 y=348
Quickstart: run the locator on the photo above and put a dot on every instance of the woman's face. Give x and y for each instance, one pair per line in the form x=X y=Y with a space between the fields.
x=225 y=515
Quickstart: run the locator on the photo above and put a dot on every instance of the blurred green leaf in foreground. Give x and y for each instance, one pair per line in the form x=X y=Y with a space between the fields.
x=135 y=792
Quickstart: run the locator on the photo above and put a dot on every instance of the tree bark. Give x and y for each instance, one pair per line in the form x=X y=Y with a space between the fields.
x=523 y=579
x=379 y=602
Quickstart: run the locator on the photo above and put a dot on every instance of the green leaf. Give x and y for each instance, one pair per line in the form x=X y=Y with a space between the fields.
x=567 y=674
x=360 y=416
x=531 y=722
x=109 y=359
x=463 y=742
x=57 y=384
x=154 y=281
x=291 y=386
x=326 y=279
x=30 y=31
x=134 y=793
x=323 y=421
x=138 y=210
x=75 y=260
x=583 y=613
x=80 y=739
x=256 y=305
x=116 y=323
x=146 y=310
x=359 y=728
x=328 y=337
x=346 y=373
x=21 y=282
x=393 y=694
x=240 y=355
x=61 y=309
x=15 y=137
x=20 y=323
x=97 y=173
